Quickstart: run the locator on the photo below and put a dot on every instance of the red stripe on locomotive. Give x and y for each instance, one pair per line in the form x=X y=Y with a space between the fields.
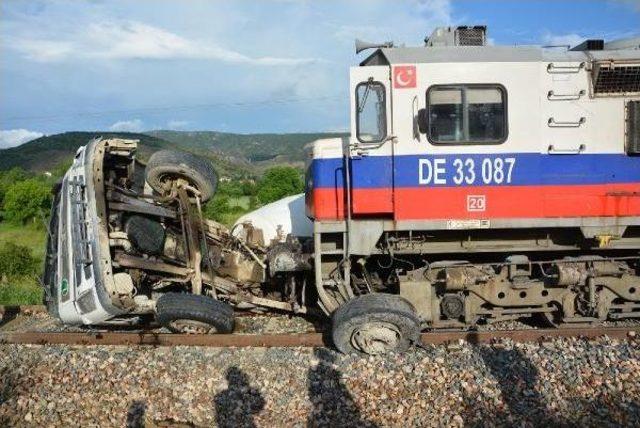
x=601 y=200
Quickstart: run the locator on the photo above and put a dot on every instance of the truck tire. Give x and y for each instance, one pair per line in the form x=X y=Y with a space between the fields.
x=169 y=165
x=375 y=324
x=190 y=313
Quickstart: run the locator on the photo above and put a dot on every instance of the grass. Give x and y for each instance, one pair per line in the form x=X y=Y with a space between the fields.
x=22 y=289
x=240 y=202
x=239 y=206
x=33 y=236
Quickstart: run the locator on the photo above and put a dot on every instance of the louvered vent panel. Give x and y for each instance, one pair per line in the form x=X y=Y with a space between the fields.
x=633 y=127
x=617 y=79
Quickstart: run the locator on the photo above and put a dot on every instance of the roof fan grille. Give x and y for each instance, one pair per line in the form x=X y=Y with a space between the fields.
x=470 y=36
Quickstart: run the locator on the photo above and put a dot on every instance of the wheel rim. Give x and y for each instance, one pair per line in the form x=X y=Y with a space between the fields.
x=376 y=338
x=168 y=180
x=192 y=327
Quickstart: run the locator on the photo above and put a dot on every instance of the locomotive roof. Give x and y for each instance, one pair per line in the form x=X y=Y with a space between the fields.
x=435 y=54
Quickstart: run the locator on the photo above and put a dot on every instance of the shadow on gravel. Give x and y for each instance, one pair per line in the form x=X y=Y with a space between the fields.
x=9 y=314
x=333 y=405
x=137 y=418
x=8 y=381
x=136 y=414
x=236 y=405
x=517 y=378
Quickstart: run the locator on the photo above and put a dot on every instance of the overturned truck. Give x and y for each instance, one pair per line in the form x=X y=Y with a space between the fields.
x=479 y=184
x=128 y=241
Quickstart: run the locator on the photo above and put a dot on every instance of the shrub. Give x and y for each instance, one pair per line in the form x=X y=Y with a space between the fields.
x=17 y=260
x=278 y=182
x=8 y=178
x=248 y=188
x=27 y=200
x=217 y=207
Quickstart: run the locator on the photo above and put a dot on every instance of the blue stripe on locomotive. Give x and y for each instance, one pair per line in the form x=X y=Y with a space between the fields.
x=529 y=169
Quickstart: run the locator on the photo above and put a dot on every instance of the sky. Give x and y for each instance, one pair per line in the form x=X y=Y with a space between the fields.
x=236 y=66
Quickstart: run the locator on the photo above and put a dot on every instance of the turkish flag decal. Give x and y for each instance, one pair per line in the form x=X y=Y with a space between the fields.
x=404 y=76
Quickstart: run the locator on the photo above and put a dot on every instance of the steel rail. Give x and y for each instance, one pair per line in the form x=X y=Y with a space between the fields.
x=297 y=340
x=37 y=309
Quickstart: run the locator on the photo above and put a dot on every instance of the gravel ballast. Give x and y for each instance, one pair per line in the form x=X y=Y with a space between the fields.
x=567 y=382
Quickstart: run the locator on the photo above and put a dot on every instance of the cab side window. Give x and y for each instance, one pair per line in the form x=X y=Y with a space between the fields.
x=371 y=114
x=467 y=114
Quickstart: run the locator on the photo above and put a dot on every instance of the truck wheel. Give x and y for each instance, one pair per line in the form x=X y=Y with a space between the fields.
x=166 y=166
x=375 y=324
x=190 y=313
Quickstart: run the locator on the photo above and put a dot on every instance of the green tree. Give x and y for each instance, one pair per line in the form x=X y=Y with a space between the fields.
x=230 y=188
x=278 y=182
x=27 y=200
x=217 y=207
x=248 y=188
x=8 y=178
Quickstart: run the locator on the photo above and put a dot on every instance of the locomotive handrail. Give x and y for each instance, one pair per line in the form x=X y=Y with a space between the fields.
x=362 y=148
x=553 y=151
x=564 y=69
x=552 y=123
x=552 y=96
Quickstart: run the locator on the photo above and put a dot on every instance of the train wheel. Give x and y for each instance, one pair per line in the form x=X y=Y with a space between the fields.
x=194 y=314
x=551 y=319
x=375 y=324
x=555 y=319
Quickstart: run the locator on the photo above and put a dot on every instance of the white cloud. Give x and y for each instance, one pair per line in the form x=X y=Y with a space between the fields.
x=411 y=21
x=562 y=39
x=16 y=137
x=435 y=10
x=44 y=50
x=136 y=40
x=124 y=55
x=134 y=125
x=177 y=124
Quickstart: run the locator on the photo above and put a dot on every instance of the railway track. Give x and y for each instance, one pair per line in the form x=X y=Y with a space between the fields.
x=295 y=340
x=154 y=338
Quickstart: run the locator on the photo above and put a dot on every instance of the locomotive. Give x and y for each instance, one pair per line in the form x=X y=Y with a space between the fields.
x=479 y=184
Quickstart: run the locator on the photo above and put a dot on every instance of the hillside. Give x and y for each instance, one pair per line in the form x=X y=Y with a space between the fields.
x=260 y=150
x=234 y=155
x=48 y=152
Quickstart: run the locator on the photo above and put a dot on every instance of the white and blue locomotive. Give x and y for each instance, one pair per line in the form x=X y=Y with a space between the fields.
x=480 y=183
